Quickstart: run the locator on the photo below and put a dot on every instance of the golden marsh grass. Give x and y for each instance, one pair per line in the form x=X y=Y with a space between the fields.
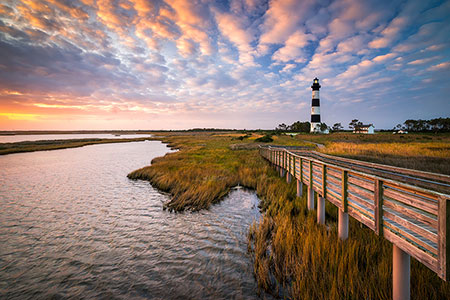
x=292 y=255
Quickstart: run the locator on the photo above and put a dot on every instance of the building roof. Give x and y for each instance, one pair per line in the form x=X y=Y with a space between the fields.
x=365 y=126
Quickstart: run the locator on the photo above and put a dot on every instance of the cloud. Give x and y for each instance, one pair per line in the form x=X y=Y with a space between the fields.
x=441 y=66
x=293 y=48
x=240 y=57
x=382 y=58
x=233 y=29
x=423 y=60
x=282 y=18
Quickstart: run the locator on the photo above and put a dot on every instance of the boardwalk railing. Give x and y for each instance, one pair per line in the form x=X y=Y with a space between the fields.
x=409 y=208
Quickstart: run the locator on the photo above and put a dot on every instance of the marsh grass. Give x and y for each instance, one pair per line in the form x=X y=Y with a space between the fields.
x=203 y=172
x=293 y=257
x=426 y=152
x=31 y=146
x=426 y=156
x=303 y=260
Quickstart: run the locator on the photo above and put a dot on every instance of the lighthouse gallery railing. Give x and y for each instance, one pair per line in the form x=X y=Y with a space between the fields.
x=409 y=208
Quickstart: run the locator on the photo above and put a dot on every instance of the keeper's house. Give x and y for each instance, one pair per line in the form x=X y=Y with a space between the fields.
x=367 y=129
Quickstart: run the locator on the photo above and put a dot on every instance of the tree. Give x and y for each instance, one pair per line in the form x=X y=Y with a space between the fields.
x=337 y=127
x=355 y=124
x=399 y=127
x=323 y=126
x=435 y=125
x=282 y=127
x=300 y=126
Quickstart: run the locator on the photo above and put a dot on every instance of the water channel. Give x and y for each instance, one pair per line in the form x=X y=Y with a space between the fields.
x=73 y=226
x=44 y=137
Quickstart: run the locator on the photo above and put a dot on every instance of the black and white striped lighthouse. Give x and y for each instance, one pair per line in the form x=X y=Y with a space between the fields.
x=315 y=106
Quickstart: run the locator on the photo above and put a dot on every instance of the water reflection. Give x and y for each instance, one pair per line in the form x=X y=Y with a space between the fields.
x=42 y=137
x=72 y=225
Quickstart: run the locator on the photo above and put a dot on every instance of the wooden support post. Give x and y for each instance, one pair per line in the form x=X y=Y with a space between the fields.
x=321 y=210
x=282 y=172
x=310 y=197
x=288 y=177
x=378 y=194
x=401 y=268
x=299 y=188
x=444 y=237
x=343 y=225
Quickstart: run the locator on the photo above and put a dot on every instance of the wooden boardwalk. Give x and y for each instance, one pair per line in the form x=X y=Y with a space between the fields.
x=409 y=208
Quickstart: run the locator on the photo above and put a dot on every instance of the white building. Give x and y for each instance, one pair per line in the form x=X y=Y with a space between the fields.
x=367 y=129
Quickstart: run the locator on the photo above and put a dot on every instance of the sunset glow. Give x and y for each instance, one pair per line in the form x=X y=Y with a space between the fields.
x=178 y=64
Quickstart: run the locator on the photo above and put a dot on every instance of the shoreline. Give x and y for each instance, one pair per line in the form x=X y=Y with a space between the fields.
x=47 y=145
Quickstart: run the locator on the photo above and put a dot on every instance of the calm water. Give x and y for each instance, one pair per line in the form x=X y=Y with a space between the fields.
x=73 y=226
x=40 y=137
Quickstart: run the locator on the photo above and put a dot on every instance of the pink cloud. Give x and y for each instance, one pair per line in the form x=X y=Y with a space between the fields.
x=293 y=48
x=282 y=19
x=233 y=28
x=441 y=66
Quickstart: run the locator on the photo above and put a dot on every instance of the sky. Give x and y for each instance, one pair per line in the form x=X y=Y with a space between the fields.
x=246 y=64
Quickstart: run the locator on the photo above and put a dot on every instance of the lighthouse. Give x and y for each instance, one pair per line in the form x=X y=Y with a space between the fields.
x=315 y=106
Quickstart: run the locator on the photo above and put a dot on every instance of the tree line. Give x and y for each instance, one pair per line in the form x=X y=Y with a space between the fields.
x=298 y=127
x=433 y=125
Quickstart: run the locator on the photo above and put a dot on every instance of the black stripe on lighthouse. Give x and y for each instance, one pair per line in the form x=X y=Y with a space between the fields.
x=315 y=118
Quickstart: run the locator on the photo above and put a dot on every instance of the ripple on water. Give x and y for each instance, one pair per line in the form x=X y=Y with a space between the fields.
x=73 y=226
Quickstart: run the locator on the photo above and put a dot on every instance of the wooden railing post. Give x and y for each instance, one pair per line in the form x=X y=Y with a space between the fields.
x=324 y=181
x=321 y=199
x=310 y=189
x=378 y=213
x=343 y=215
x=283 y=164
x=301 y=170
x=295 y=169
x=443 y=237
x=299 y=180
x=344 y=190
x=288 y=172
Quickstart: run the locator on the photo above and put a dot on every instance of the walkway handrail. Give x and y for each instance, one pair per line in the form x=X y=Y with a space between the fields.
x=440 y=182
x=409 y=208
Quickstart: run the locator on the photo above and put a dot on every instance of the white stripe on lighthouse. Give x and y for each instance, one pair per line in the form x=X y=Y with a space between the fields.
x=315 y=94
x=315 y=110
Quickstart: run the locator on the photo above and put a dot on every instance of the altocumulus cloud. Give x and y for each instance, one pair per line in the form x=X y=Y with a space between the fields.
x=239 y=63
